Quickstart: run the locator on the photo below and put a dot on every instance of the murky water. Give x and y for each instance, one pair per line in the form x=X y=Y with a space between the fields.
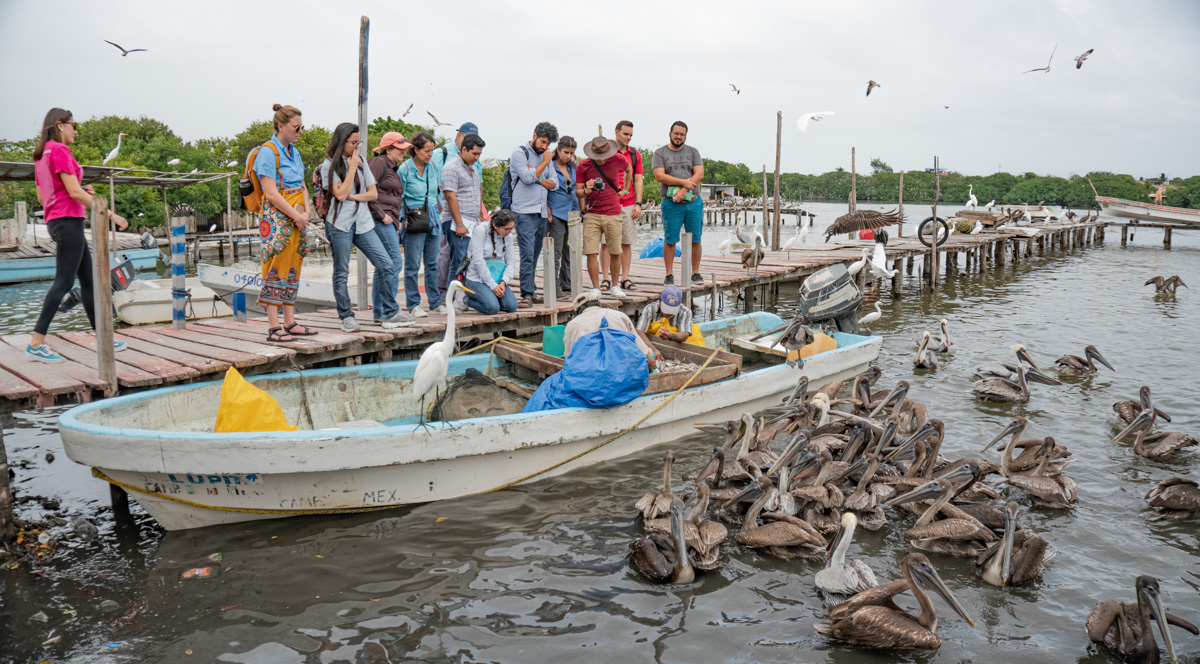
x=538 y=572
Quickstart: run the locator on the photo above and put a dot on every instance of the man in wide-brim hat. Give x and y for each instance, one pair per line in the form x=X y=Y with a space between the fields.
x=600 y=200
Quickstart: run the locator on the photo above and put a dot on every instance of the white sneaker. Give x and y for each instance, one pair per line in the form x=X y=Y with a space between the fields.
x=461 y=308
x=440 y=310
x=616 y=291
x=400 y=319
x=350 y=324
x=418 y=312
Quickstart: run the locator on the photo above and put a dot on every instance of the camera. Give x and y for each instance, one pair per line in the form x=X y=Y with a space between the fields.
x=598 y=184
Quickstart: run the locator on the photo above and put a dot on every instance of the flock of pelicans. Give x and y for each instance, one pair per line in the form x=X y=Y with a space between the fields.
x=845 y=459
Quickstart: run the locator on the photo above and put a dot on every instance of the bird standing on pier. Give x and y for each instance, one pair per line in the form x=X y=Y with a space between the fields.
x=971 y=200
x=115 y=151
x=794 y=242
x=435 y=361
x=727 y=244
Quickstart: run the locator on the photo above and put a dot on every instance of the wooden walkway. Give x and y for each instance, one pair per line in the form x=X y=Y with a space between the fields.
x=160 y=356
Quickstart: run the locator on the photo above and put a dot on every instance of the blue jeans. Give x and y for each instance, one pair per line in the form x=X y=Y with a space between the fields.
x=688 y=216
x=458 y=251
x=372 y=248
x=385 y=293
x=531 y=234
x=485 y=301
x=420 y=247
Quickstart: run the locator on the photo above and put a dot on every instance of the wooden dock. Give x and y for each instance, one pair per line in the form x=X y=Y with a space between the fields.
x=160 y=356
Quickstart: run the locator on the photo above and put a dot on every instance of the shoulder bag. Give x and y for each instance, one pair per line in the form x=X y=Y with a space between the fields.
x=416 y=220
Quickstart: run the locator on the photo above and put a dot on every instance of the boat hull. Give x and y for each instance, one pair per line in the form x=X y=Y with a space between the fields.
x=15 y=270
x=279 y=474
x=150 y=301
x=1119 y=207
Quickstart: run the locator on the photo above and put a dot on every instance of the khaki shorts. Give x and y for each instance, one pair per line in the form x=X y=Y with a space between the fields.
x=595 y=225
x=629 y=231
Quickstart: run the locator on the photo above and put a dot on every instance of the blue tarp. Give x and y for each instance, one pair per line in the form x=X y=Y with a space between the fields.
x=654 y=249
x=606 y=368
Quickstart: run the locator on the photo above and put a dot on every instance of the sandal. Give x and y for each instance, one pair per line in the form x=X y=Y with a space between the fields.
x=605 y=284
x=291 y=329
x=629 y=285
x=525 y=303
x=276 y=334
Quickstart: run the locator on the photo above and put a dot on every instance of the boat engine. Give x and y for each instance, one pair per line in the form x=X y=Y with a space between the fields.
x=830 y=299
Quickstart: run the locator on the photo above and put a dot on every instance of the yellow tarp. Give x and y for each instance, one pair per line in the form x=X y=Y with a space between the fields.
x=821 y=343
x=245 y=408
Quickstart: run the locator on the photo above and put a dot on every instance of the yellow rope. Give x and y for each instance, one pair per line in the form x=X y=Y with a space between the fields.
x=96 y=472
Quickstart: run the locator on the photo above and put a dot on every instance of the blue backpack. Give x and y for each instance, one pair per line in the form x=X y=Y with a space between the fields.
x=508 y=185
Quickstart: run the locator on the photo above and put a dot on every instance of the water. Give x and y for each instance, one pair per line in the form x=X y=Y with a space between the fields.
x=537 y=572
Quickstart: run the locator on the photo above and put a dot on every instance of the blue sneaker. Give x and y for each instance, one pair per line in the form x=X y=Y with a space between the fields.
x=43 y=354
x=118 y=346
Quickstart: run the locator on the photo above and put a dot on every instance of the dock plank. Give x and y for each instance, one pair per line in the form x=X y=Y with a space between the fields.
x=304 y=345
x=199 y=363
x=158 y=337
x=60 y=378
x=13 y=387
x=163 y=368
x=127 y=376
x=252 y=353
x=332 y=340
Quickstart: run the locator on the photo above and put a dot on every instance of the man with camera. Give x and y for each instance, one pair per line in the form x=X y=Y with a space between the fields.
x=532 y=180
x=600 y=199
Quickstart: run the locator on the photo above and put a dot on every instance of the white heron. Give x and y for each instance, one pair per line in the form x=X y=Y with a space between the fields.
x=212 y=228
x=990 y=204
x=971 y=200
x=838 y=577
x=435 y=361
x=977 y=228
x=802 y=122
x=794 y=242
x=871 y=317
x=173 y=162
x=727 y=244
x=232 y=164
x=879 y=261
x=857 y=265
x=193 y=171
x=115 y=151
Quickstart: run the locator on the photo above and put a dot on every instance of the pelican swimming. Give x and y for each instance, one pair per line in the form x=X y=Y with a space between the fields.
x=1031 y=456
x=1127 y=410
x=703 y=536
x=1175 y=497
x=872 y=619
x=1004 y=369
x=1159 y=446
x=663 y=558
x=783 y=536
x=1126 y=630
x=924 y=357
x=1058 y=490
x=656 y=503
x=941 y=344
x=840 y=577
x=1017 y=558
x=1166 y=286
x=1074 y=365
x=1004 y=390
x=960 y=534
x=853 y=268
x=871 y=317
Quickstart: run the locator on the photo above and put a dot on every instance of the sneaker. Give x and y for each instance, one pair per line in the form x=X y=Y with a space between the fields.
x=43 y=354
x=417 y=312
x=401 y=319
x=616 y=291
x=441 y=309
x=118 y=346
x=461 y=308
x=350 y=324
x=697 y=279
x=669 y=281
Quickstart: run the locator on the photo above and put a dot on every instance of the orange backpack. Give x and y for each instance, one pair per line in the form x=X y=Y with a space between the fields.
x=249 y=187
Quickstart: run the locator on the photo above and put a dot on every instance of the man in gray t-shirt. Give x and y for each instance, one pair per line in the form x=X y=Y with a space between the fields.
x=679 y=171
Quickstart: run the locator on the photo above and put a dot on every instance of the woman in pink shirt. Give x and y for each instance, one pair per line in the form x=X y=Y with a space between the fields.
x=64 y=204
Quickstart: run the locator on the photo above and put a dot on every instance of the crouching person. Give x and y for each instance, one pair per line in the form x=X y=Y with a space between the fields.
x=491 y=262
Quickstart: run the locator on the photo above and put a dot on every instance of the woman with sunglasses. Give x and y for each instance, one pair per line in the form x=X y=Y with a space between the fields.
x=64 y=204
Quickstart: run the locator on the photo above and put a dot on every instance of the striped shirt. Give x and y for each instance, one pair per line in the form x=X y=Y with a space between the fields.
x=467 y=186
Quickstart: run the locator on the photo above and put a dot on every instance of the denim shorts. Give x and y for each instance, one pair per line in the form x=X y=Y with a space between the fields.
x=685 y=216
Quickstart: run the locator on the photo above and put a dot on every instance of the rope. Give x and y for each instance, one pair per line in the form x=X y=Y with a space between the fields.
x=96 y=472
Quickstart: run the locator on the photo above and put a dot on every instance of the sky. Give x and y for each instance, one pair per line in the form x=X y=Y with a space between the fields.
x=213 y=66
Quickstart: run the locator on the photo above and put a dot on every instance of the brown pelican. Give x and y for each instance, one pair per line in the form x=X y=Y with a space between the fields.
x=1057 y=490
x=1017 y=557
x=1001 y=389
x=783 y=536
x=941 y=344
x=872 y=619
x=703 y=537
x=732 y=431
x=656 y=503
x=960 y=534
x=924 y=357
x=1073 y=365
x=1125 y=628
x=663 y=558
x=1162 y=445
x=1004 y=369
x=840 y=578
x=1166 y=286
x=1175 y=497
x=1127 y=410
x=821 y=497
x=1031 y=457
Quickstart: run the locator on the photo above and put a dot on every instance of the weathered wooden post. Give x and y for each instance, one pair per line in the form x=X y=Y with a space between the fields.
x=575 y=245
x=778 y=141
x=898 y=278
x=8 y=521
x=900 y=226
x=364 y=33
x=1167 y=237
x=933 y=252
x=549 y=279
x=712 y=300
x=102 y=288
x=1124 y=234
x=766 y=219
x=685 y=265
x=853 y=183
x=178 y=273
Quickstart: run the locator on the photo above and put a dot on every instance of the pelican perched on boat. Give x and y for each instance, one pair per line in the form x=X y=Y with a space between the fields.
x=1004 y=369
x=1126 y=630
x=783 y=536
x=1004 y=390
x=872 y=619
x=1165 y=286
x=1058 y=490
x=663 y=558
x=853 y=268
x=871 y=317
x=435 y=361
x=924 y=357
x=840 y=578
x=656 y=503
x=1017 y=558
x=1127 y=410
x=1073 y=365
x=1162 y=445
x=941 y=344
x=1175 y=497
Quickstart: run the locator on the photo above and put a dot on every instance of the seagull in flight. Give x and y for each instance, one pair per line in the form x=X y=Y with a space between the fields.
x=735 y=89
x=231 y=164
x=1080 y=59
x=871 y=85
x=437 y=122
x=406 y=111
x=802 y=123
x=125 y=52
x=945 y=107
x=1047 y=67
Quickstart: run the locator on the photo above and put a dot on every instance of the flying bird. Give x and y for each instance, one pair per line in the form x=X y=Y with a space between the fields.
x=231 y=164
x=861 y=220
x=736 y=91
x=945 y=107
x=872 y=85
x=115 y=151
x=125 y=52
x=802 y=123
x=173 y=162
x=1047 y=67
x=1080 y=59
x=437 y=122
x=406 y=111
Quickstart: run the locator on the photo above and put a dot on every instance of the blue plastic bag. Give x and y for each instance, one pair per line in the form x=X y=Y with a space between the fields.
x=654 y=249
x=605 y=369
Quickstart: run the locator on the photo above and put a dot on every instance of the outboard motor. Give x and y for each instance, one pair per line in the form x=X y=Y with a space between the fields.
x=830 y=297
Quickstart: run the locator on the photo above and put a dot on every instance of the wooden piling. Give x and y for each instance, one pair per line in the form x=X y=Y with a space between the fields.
x=712 y=299
x=364 y=34
x=549 y=279
x=765 y=219
x=775 y=192
x=1124 y=235
x=102 y=290
x=8 y=521
x=933 y=253
x=1167 y=237
x=575 y=246
x=900 y=226
x=685 y=266
x=897 y=278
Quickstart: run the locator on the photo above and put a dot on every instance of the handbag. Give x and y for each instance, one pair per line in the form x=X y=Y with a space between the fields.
x=416 y=220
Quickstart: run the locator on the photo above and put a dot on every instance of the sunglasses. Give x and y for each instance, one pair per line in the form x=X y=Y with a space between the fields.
x=298 y=128
x=72 y=123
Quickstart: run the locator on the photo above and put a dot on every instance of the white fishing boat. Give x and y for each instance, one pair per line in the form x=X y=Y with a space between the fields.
x=316 y=284
x=147 y=301
x=1119 y=207
x=360 y=445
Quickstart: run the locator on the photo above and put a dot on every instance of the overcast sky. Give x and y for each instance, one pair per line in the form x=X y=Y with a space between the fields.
x=215 y=65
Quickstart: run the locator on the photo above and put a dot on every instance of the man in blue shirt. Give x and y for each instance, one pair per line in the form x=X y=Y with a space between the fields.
x=441 y=157
x=532 y=178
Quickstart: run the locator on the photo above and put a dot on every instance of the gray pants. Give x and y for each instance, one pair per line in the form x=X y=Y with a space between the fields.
x=557 y=229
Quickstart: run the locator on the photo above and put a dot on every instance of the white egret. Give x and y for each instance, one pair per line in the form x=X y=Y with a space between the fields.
x=435 y=361
x=193 y=171
x=173 y=162
x=990 y=203
x=971 y=200
x=871 y=317
x=879 y=261
x=802 y=123
x=977 y=228
x=232 y=164
x=857 y=265
x=727 y=244
x=115 y=151
x=794 y=242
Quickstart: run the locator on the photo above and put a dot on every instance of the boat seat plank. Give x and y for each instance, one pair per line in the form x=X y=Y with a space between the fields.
x=152 y=364
x=127 y=376
x=208 y=351
x=247 y=352
x=61 y=378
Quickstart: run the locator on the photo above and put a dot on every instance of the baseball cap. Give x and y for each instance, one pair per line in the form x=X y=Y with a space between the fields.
x=585 y=296
x=469 y=128
x=669 y=301
x=393 y=138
